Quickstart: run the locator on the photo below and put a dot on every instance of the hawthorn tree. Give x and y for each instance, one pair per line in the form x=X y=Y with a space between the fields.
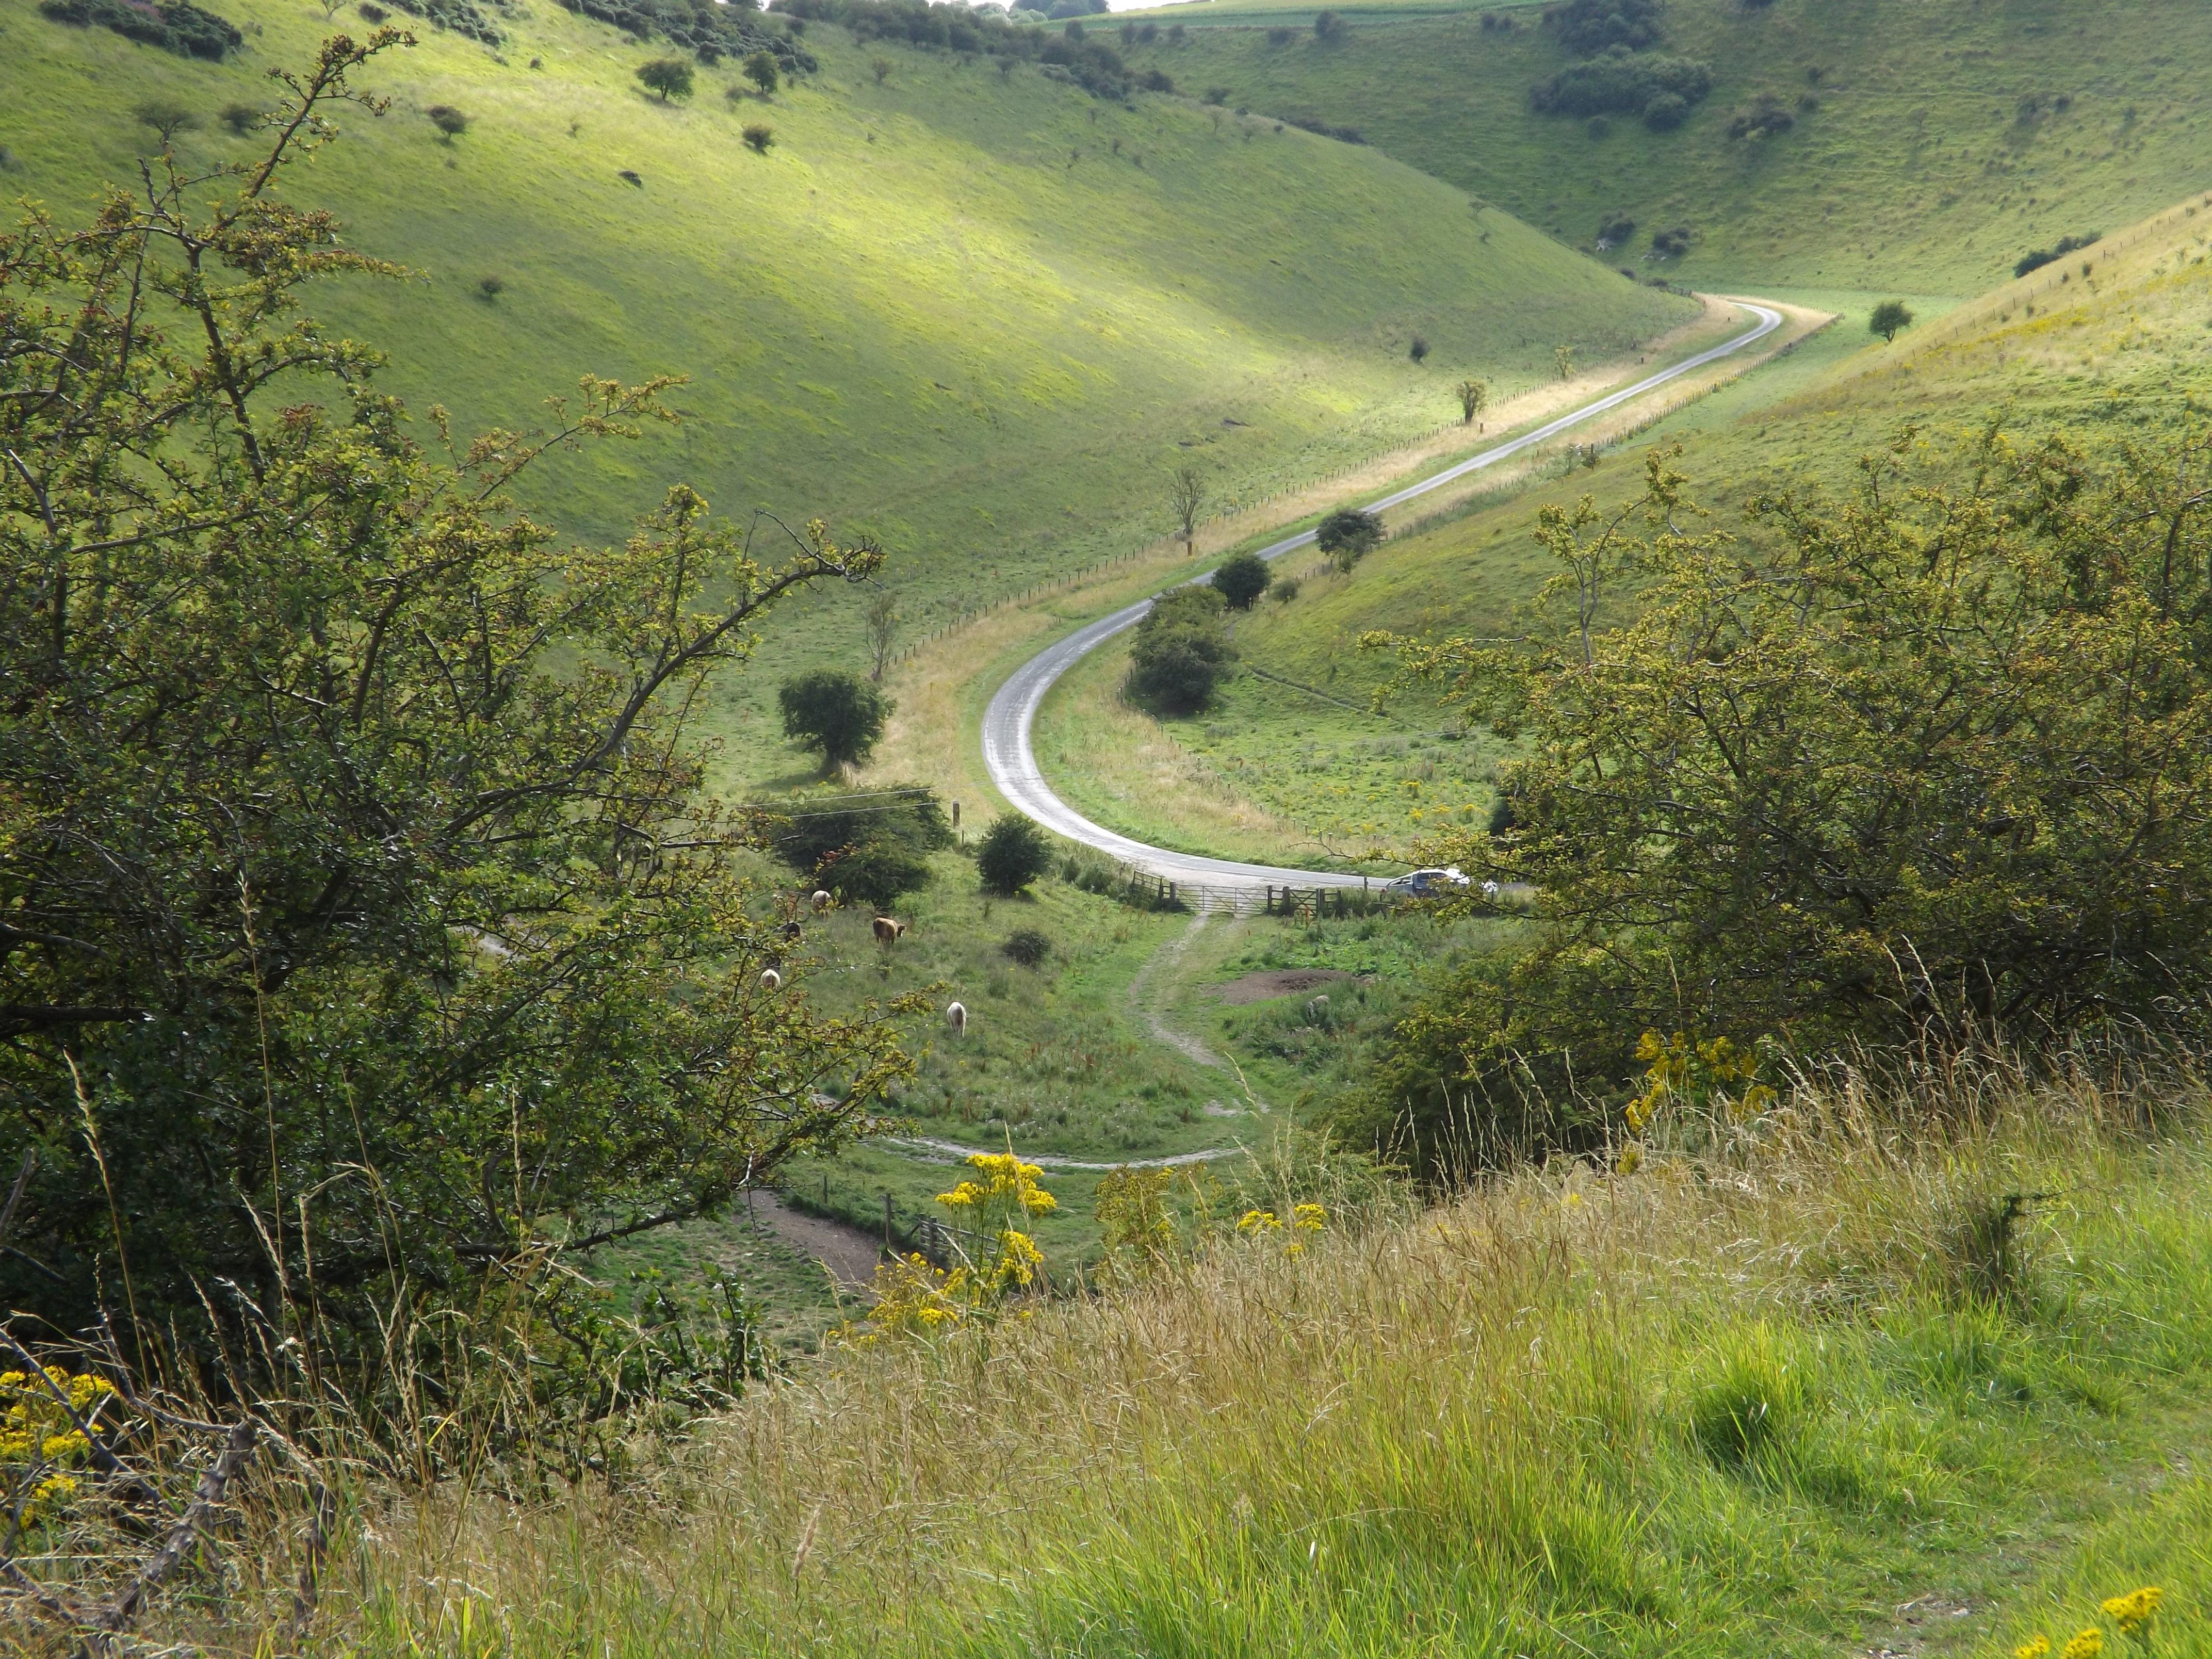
x=1890 y=318
x=839 y=715
x=761 y=70
x=1186 y=496
x=368 y=939
x=1473 y=397
x=672 y=77
x=1348 y=536
x=1241 y=579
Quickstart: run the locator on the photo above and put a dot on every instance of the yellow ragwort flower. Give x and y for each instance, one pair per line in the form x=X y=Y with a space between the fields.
x=2085 y=1645
x=2132 y=1612
x=2034 y=1650
x=1308 y=1218
x=1257 y=1221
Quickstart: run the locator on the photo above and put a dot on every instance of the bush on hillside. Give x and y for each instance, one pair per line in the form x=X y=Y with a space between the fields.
x=2044 y=255
x=1314 y=123
x=1012 y=854
x=1181 y=651
x=1328 y=26
x=669 y=77
x=181 y=28
x=1767 y=118
x=870 y=848
x=462 y=17
x=1666 y=111
x=1241 y=579
x=1831 y=866
x=1671 y=243
x=1590 y=26
x=1621 y=82
x=239 y=118
x=1027 y=946
x=1348 y=536
x=708 y=30
x=450 y=122
x=1617 y=229
x=1889 y=318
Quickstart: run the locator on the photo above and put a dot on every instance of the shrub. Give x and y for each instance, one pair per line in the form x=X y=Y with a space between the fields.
x=2044 y=255
x=1181 y=651
x=1027 y=946
x=1889 y=318
x=491 y=287
x=838 y=715
x=870 y=848
x=761 y=70
x=1617 y=229
x=239 y=118
x=1155 y=80
x=1620 y=82
x=1348 y=536
x=1672 y=243
x=1279 y=36
x=630 y=176
x=672 y=77
x=1589 y=26
x=450 y=122
x=1767 y=118
x=1012 y=854
x=1314 y=123
x=1328 y=26
x=880 y=68
x=371 y=13
x=758 y=136
x=182 y=27
x=1285 y=590
x=1666 y=111
x=1242 y=580
x=1216 y=95
x=1419 y=349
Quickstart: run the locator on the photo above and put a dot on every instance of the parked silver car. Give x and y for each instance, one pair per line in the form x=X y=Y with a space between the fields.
x=1428 y=884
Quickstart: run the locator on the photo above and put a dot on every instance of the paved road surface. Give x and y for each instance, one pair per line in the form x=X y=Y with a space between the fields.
x=1013 y=763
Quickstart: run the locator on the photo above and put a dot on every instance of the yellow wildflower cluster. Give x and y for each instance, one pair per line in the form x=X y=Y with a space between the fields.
x=1007 y=1181
x=1131 y=1208
x=40 y=1438
x=1711 y=1073
x=2132 y=1612
x=915 y=1298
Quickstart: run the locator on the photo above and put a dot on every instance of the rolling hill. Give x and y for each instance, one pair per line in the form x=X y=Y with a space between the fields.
x=977 y=315
x=1844 y=144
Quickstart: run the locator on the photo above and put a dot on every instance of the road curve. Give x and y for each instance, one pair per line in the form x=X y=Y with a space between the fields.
x=1011 y=759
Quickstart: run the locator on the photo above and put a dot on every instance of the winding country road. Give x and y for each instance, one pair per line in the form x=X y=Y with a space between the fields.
x=1011 y=759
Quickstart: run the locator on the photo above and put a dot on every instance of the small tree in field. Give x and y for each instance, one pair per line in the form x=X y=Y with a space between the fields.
x=760 y=69
x=883 y=625
x=1347 y=535
x=1419 y=350
x=240 y=117
x=840 y=715
x=881 y=69
x=759 y=137
x=1890 y=318
x=669 y=77
x=166 y=118
x=1242 y=580
x=1563 y=355
x=450 y=122
x=1186 y=494
x=1473 y=397
x=1012 y=854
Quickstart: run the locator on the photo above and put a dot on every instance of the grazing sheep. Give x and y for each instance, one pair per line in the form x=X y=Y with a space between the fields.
x=956 y=1017
x=770 y=980
x=821 y=901
x=1317 y=1011
x=888 y=931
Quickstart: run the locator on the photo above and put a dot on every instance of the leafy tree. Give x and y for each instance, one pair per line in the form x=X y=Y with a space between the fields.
x=1026 y=946
x=872 y=848
x=360 y=890
x=239 y=119
x=1328 y=26
x=1241 y=579
x=1348 y=536
x=1590 y=26
x=1473 y=398
x=1889 y=318
x=1621 y=82
x=761 y=70
x=1012 y=854
x=671 y=77
x=450 y=122
x=881 y=69
x=1563 y=357
x=882 y=619
x=840 y=715
x=1181 y=651
x=1187 y=494
x=1419 y=350
x=1931 y=759
x=168 y=118
x=758 y=136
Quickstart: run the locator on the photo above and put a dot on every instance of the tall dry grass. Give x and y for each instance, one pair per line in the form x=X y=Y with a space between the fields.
x=1559 y=1415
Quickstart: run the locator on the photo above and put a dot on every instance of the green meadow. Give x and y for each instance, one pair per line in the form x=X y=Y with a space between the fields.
x=1930 y=145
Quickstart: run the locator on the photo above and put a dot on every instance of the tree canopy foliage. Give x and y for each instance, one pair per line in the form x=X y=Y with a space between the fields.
x=837 y=714
x=364 y=928
x=870 y=848
x=1241 y=579
x=1348 y=536
x=1589 y=26
x=1930 y=758
x=1012 y=854
x=1181 y=651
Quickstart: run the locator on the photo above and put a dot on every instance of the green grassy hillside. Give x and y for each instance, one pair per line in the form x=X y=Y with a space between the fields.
x=1931 y=144
x=980 y=317
x=2124 y=351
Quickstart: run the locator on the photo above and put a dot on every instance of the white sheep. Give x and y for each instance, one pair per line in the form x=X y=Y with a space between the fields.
x=956 y=1015
x=821 y=901
x=770 y=980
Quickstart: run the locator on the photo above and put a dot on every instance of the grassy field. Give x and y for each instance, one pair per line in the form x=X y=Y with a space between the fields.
x=979 y=318
x=1932 y=145
x=1772 y=1398
x=2126 y=349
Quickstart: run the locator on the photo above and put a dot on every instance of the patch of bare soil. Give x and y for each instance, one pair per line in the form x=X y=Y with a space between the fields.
x=1277 y=982
x=847 y=1252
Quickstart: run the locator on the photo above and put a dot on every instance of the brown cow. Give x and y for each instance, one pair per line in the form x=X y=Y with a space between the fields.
x=888 y=931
